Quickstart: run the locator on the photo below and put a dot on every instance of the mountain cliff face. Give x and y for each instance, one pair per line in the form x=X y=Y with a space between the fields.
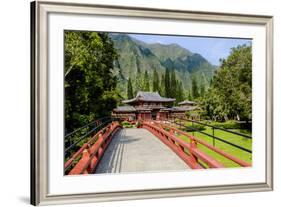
x=136 y=56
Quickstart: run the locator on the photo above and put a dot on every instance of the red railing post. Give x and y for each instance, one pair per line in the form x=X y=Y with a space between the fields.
x=172 y=131
x=93 y=163
x=100 y=150
x=85 y=154
x=91 y=152
x=79 y=167
x=193 y=145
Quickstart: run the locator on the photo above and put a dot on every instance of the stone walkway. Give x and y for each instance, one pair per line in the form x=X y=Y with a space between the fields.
x=137 y=150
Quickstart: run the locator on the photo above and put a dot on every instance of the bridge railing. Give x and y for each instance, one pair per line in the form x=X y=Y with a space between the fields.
x=181 y=123
x=206 y=144
x=75 y=140
x=188 y=152
x=85 y=160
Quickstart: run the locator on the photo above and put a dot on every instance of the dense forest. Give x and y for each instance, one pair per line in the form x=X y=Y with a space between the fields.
x=90 y=86
x=98 y=75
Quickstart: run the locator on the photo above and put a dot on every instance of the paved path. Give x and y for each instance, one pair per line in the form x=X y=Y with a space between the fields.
x=137 y=150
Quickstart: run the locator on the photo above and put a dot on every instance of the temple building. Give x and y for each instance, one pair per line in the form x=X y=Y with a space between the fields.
x=190 y=105
x=192 y=108
x=148 y=105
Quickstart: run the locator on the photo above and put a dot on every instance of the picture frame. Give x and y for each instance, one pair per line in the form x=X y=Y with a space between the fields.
x=40 y=94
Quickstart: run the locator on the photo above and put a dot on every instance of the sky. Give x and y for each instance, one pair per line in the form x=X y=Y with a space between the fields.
x=213 y=49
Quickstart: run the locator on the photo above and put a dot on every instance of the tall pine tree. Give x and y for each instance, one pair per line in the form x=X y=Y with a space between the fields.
x=155 y=82
x=130 y=94
x=146 y=81
x=180 y=96
x=173 y=84
x=162 y=86
x=194 y=88
x=189 y=96
x=140 y=84
x=202 y=90
x=167 y=83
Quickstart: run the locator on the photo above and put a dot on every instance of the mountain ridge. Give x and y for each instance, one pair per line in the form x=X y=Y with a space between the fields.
x=136 y=56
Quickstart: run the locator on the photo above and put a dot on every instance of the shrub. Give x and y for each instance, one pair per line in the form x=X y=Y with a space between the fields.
x=195 y=127
x=127 y=124
x=227 y=124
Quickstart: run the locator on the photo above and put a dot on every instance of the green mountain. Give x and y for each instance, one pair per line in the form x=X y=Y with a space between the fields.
x=136 y=57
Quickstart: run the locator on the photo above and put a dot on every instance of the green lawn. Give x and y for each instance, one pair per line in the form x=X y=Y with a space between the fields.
x=235 y=139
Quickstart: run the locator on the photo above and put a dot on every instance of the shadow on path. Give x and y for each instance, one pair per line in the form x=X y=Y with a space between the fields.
x=137 y=150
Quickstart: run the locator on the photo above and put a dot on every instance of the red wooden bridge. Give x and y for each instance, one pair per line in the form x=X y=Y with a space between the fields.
x=104 y=146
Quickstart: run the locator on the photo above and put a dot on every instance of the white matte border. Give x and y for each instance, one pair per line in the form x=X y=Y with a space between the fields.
x=59 y=184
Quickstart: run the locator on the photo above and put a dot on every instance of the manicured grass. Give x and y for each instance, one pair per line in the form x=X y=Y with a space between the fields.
x=233 y=138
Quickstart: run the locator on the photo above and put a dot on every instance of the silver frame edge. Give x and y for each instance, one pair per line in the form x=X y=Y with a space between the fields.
x=39 y=101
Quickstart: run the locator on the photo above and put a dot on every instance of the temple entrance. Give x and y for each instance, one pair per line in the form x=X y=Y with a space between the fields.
x=154 y=114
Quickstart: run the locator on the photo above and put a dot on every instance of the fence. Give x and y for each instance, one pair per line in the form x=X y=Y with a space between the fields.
x=206 y=144
x=181 y=123
x=75 y=140
x=91 y=152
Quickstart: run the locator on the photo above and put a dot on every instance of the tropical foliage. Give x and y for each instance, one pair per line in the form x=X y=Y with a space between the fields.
x=90 y=86
x=230 y=93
